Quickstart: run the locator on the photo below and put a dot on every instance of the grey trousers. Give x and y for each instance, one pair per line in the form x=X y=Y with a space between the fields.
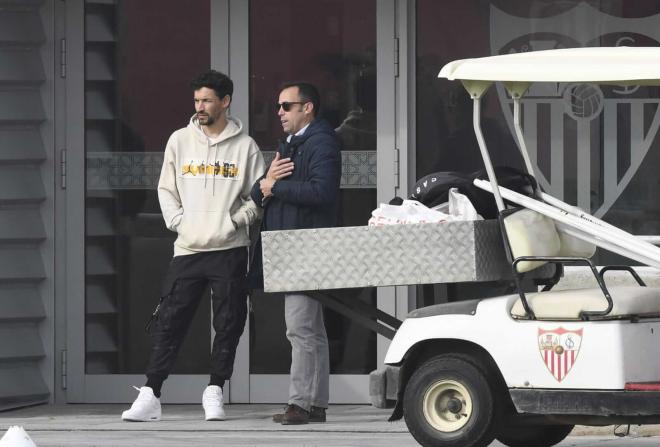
x=310 y=360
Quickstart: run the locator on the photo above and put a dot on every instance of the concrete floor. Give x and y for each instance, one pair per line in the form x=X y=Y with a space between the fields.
x=247 y=425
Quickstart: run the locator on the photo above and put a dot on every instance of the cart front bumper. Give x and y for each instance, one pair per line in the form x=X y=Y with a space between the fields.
x=586 y=402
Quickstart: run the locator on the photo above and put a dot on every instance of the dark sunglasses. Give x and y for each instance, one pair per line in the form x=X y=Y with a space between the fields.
x=287 y=105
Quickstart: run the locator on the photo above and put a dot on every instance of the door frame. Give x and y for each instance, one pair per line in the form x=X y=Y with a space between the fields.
x=75 y=200
x=229 y=53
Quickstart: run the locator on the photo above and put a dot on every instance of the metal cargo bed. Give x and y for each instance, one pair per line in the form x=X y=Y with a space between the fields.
x=374 y=256
x=315 y=261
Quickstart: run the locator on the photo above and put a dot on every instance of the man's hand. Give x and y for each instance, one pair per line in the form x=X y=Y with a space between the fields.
x=279 y=168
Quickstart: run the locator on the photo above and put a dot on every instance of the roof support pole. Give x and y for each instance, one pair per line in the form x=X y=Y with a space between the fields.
x=520 y=136
x=476 y=121
x=476 y=89
x=517 y=90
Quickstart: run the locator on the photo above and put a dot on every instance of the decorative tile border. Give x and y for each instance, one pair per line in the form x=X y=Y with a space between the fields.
x=123 y=170
x=140 y=170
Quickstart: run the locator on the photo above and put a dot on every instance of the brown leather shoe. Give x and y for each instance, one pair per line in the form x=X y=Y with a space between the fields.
x=316 y=414
x=295 y=415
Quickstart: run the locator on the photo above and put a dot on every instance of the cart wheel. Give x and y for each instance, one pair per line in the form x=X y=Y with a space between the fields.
x=449 y=403
x=536 y=435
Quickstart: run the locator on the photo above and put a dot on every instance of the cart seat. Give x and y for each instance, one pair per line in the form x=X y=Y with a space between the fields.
x=568 y=304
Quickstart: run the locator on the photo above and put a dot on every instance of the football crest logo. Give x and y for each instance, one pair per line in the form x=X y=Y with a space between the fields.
x=559 y=350
x=581 y=135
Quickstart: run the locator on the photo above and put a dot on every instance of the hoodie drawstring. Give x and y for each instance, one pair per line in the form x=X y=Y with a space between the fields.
x=236 y=129
x=215 y=158
x=206 y=166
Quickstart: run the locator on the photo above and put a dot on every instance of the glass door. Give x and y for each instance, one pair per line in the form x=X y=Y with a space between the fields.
x=334 y=46
x=128 y=90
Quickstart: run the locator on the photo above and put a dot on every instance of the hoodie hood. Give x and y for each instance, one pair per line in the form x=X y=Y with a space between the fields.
x=233 y=128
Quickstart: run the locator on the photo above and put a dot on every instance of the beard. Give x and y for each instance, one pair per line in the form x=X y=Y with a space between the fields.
x=205 y=120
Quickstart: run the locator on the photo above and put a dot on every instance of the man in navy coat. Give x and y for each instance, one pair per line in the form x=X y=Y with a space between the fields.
x=301 y=190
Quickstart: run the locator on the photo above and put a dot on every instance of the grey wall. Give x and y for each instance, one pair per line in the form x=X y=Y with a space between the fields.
x=25 y=207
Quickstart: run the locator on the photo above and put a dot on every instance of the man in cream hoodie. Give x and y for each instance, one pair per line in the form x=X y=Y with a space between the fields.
x=204 y=193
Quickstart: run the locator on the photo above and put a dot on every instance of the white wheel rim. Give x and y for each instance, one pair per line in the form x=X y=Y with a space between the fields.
x=440 y=402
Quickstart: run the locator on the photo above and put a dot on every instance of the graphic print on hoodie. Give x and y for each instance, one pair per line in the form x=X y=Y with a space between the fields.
x=225 y=169
x=204 y=187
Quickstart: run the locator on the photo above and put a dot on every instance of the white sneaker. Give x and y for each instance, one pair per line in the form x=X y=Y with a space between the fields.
x=213 y=403
x=146 y=407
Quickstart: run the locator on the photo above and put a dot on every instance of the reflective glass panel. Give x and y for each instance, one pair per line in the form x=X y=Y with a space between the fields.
x=333 y=45
x=592 y=146
x=139 y=59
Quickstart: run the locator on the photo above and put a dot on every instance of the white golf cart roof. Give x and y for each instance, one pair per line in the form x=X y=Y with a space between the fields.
x=599 y=65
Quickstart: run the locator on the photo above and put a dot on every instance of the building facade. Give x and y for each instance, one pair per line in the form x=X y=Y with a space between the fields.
x=90 y=91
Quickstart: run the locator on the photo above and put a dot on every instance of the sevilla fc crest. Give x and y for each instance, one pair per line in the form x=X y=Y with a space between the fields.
x=559 y=349
x=586 y=141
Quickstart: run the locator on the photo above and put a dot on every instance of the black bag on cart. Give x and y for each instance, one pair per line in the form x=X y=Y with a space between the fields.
x=433 y=189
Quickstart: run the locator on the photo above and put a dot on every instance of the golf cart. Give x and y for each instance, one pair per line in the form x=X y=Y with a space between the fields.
x=525 y=368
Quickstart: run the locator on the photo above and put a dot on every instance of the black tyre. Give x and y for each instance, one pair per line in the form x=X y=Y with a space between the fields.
x=448 y=403
x=536 y=435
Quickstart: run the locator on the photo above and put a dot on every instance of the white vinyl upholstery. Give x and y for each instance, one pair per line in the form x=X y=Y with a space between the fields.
x=572 y=246
x=531 y=234
x=568 y=304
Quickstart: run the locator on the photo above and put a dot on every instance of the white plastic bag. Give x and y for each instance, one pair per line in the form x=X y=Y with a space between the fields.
x=460 y=207
x=410 y=211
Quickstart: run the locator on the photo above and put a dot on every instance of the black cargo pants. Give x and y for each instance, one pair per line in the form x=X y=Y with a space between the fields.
x=186 y=280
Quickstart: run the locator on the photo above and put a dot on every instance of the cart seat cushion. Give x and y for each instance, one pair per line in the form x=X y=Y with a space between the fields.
x=567 y=304
x=572 y=246
x=531 y=234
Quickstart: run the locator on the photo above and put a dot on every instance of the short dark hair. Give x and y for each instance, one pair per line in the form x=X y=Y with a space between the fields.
x=215 y=80
x=308 y=93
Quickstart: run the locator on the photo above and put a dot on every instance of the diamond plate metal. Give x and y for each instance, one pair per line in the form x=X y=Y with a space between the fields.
x=334 y=258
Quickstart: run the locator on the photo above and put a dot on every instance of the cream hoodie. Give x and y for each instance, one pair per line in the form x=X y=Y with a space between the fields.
x=204 y=187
